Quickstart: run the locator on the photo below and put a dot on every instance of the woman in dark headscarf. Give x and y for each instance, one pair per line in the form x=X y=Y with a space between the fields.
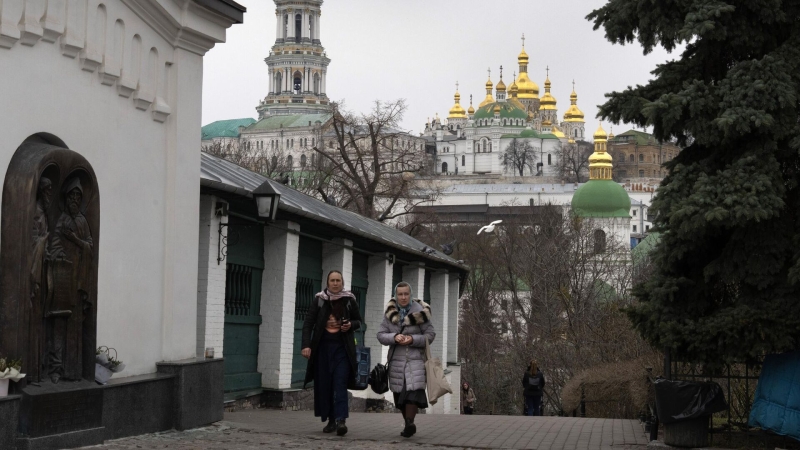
x=405 y=327
x=330 y=347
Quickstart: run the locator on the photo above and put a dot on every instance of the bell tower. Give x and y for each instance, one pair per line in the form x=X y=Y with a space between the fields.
x=297 y=63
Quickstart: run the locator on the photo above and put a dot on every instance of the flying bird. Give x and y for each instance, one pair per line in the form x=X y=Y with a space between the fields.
x=489 y=228
x=447 y=249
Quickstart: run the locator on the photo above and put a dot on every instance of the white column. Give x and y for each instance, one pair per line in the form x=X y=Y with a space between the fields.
x=210 y=280
x=276 y=334
x=271 y=80
x=414 y=274
x=336 y=257
x=278 y=25
x=440 y=285
x=453 y=308
x=380 y=283
x=323 y=89
x=319 y=17
x=305 y=24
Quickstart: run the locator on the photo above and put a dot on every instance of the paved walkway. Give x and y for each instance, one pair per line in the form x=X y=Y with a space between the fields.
x=272 y=429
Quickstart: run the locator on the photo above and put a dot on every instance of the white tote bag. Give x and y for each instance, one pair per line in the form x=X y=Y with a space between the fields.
x=434 y=373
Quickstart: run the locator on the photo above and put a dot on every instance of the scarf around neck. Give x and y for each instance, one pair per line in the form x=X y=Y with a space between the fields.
x=337 y=306
x=403 y=310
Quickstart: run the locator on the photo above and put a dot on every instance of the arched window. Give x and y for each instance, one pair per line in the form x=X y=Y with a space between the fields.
x=549 y=159
x=298 y=28
x=632 y=157
x=316 y=83
x=490 y=147
x=278 y=82
x=274 y=162
x=289 y=161
x=599 y=242
x=444 y=167
x=313 y=143
x=641 y=157
x=302 y=160
x=297 y=82
x=311 y=27
x=286 y=26
x=313 y=159
x=463 y=160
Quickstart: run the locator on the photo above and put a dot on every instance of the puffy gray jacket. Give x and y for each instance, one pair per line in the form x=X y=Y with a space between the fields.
x=408 y=361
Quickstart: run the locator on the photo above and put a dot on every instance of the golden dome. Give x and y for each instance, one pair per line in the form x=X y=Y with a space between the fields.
x=471 y=110
x=457 y=111
x=546 y=123
x=611 y=134
x=600 y=163
x=600 y=134
x=527 y=88
x=557 y=132
x=548 y=102
x=497 y=108
x=573 y=114
x=501 y=87
x=489 y=98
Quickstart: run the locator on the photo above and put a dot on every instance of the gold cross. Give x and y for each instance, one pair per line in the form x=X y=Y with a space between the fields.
x=523 y=40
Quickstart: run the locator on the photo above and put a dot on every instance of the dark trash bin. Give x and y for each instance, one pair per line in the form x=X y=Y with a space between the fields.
x=684 y=408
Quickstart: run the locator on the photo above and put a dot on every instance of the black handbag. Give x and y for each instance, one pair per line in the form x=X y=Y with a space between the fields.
x=379 y=377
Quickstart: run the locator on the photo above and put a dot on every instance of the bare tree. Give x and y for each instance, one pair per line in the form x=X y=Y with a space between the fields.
x=573 y=161
x=518 y=155
x=545 y=286
x=271 y=163
x=370 y=165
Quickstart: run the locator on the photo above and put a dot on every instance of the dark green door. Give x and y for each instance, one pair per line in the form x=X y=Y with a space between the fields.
x=358 y=286
x=309 y=282
x=397 y=276
x=245 y=264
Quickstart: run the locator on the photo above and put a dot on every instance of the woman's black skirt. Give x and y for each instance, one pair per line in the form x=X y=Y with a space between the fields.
x=415 y=397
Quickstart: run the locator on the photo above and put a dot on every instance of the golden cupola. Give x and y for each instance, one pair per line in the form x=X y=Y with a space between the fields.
x=600 y=162
x=527 y=88
x=489 y=98
x=547 y=102
x=573 y=114
x=471 y=110
x=513 y=92
x=457 y=111
x=501 y=87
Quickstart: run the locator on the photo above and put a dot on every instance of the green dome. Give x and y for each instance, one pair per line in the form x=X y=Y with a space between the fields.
x=601 y=198
x=507 y=111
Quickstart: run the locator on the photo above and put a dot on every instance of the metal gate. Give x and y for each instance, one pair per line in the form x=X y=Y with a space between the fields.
x=245 y=265
x=309 y=282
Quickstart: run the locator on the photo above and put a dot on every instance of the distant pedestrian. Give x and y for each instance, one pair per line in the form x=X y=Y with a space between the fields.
x=467 y=398
x=329 y=345
x=406 y=324
x=533 y=384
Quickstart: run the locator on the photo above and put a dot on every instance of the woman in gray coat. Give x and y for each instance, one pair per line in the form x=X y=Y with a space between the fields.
x=406 y=324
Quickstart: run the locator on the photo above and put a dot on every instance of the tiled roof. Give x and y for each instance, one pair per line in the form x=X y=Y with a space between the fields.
x=224 y=128
x=288 y=121
x=639 y=137
x=226 y=176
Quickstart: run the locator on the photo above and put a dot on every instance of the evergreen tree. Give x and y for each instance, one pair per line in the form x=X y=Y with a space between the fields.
x=726 y=284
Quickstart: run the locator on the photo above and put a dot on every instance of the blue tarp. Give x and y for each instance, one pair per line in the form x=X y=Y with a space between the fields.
x=777 y=404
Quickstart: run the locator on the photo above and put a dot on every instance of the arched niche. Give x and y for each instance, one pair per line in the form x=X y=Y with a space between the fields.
x=49 y=240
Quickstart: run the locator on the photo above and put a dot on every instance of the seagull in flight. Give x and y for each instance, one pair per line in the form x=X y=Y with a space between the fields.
x=489 y=228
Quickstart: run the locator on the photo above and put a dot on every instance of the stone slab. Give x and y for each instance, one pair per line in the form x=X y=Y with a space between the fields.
x=9 y=418
x=74 y=439
x=198 y=391
x=56 y=409
x=138 y=405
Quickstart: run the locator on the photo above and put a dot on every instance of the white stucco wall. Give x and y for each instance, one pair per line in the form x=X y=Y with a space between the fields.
x=146 y=158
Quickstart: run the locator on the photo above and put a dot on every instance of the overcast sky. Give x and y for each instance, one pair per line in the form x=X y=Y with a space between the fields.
x=417 y=50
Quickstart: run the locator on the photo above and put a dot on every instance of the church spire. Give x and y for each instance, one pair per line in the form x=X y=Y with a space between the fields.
x=600 y=162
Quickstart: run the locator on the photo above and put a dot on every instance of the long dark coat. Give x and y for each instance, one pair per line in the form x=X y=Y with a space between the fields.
x=314 y=326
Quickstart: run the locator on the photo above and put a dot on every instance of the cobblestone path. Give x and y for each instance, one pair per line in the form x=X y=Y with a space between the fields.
x=270 y=429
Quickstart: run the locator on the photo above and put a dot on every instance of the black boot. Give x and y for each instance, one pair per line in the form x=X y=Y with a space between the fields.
x=341 y=427
x=330 y=427
x=409 y=430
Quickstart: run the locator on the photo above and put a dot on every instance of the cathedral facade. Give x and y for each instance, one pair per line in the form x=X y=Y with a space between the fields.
x=473 y=141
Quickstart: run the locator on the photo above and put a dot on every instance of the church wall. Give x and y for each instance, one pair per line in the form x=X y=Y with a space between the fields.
x=137 y=121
